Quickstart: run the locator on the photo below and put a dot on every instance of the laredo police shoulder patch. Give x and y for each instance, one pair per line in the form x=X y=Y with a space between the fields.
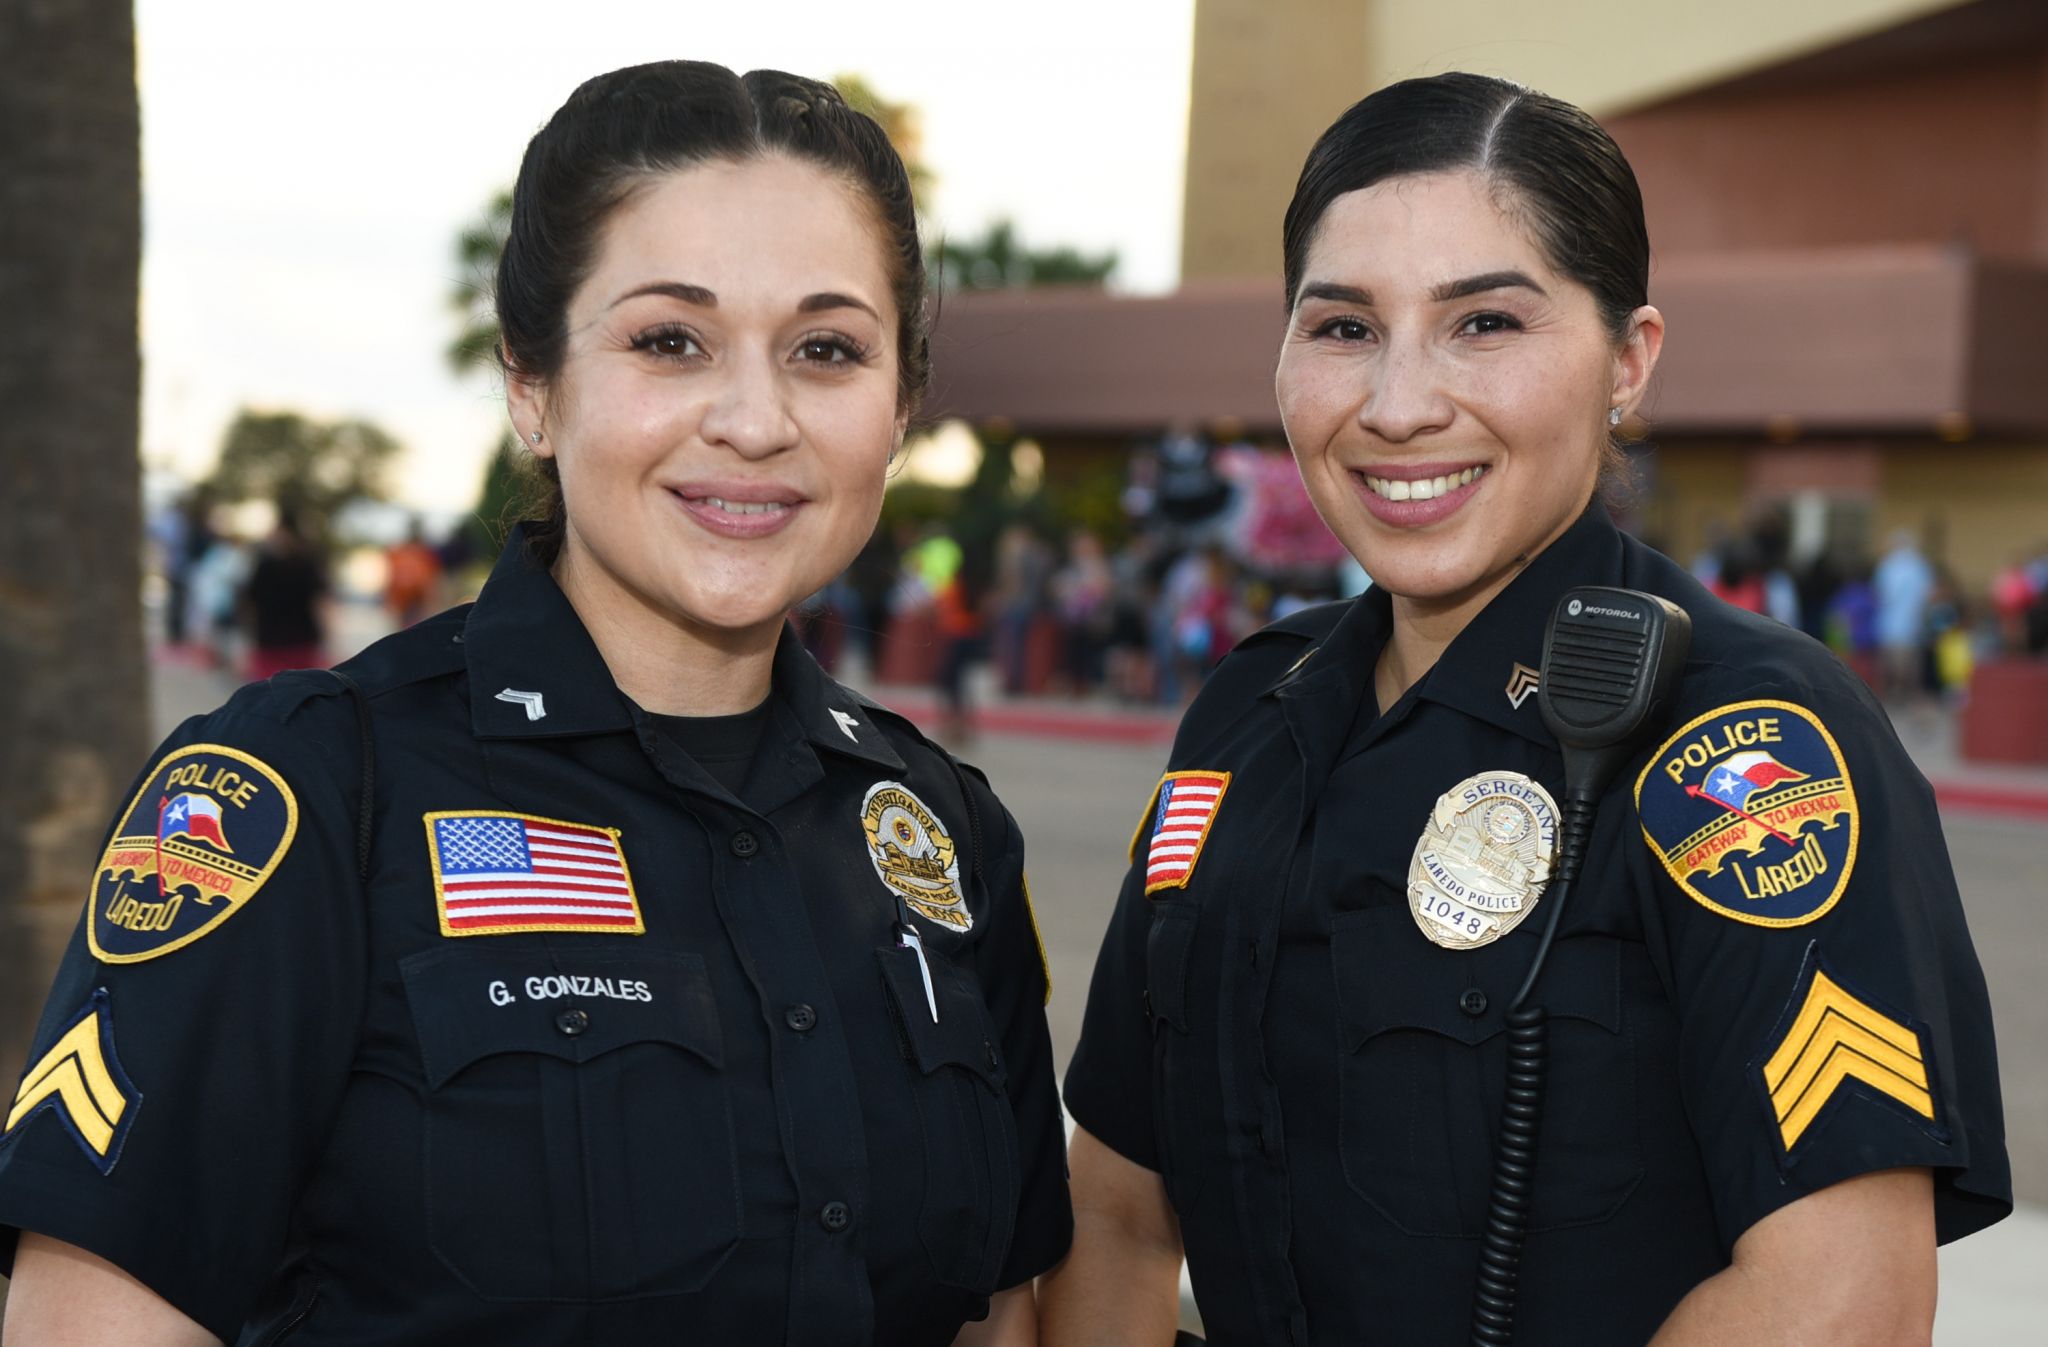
x=1751 y=811
x=208 y=827
x=80 y=1080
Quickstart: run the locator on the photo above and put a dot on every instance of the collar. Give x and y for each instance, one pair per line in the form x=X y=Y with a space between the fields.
x=1482 y=669
x=535 y=673
x=828 y=713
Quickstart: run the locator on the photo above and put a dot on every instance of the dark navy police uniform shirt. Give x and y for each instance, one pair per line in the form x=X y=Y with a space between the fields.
x=1746 y=1004
x=599 y=1052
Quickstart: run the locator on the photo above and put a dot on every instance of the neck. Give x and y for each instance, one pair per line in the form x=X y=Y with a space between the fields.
x=668 y=665
x=1425 y=627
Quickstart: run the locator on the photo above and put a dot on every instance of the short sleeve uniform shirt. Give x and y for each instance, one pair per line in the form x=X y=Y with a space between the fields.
x=1763 y=983
x=598 y=1050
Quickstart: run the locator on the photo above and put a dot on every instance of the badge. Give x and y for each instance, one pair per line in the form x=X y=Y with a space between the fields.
x=1183 y=811
x=913 y=854
x=1750 y=809
x=497 y=873
x=199 y=839
x=1483 y=860
x=1830 y=1040
x=80 y=1079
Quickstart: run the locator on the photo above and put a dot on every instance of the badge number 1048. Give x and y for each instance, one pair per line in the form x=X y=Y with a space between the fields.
x=1452 y=916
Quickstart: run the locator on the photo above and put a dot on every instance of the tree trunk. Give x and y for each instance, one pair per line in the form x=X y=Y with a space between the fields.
x=73 y=682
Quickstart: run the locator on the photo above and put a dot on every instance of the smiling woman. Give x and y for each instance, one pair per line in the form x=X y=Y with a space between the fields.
x=590 y=966
x=1318 y=967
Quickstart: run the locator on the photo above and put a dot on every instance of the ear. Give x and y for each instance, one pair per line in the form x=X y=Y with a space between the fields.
x=526 y=402
x=1636 y=358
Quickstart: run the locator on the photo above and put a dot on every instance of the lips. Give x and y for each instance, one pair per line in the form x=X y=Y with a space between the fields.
x=1414 y=495
x=738 y=510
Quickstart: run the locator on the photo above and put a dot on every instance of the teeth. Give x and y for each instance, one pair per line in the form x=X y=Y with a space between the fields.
x=1401 y=488
x=744 y=507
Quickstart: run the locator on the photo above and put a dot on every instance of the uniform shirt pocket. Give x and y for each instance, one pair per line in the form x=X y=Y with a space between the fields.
x=969 y=1135
x=1423 y=1069
x=578 y=1136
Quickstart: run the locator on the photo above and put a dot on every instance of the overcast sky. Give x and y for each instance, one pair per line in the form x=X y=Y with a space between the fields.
x=305 y=171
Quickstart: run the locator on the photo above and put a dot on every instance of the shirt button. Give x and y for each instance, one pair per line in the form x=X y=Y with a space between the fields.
x=800 y=1018
x=744 y=844
x=1473 y=1002
x=573 y=1021
x=835 y=1216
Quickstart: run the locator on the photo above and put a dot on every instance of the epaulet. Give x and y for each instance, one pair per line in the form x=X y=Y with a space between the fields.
x=430 y=649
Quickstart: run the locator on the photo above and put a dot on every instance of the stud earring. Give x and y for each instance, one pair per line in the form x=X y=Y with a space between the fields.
x=535 y=437
x=1613 y=417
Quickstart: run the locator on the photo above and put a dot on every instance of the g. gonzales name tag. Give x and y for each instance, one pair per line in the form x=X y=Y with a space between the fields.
x=208 y=827
x=1751 y=811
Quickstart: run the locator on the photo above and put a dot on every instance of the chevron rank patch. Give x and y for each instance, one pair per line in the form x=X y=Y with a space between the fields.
x=80 y=1080
x=204 y=833
x=1830 y=1041
x=1751 y=810
x=1182 y=811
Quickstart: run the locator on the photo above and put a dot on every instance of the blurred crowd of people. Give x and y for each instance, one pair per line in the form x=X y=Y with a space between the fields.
x=1216 y=538
x=1902 y=621
x=261 y=603
x=1215 y=542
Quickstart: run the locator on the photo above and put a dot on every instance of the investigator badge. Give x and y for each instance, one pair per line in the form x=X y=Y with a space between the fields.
x=1751 y=811
x=914 y=854
x=1483 y=859
x=208 y=827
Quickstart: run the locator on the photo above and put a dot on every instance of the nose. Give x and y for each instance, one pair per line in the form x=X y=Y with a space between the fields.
x=1405 y=396
x=749 y=413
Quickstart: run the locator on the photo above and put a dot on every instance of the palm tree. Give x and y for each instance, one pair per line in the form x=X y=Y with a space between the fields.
x=74 y=717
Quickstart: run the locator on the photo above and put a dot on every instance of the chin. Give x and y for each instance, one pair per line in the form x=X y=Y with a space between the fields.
x=738 y=610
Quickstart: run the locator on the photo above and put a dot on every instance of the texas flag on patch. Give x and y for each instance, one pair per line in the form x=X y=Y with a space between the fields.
x=1744 y=774
x=498 y=873
x=1187 y=803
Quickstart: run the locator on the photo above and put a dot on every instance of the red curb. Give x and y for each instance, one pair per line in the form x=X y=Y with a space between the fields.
x=2004 y=801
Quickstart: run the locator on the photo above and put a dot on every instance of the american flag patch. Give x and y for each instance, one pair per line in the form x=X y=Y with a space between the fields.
x=496 y=873
x=1186 y=810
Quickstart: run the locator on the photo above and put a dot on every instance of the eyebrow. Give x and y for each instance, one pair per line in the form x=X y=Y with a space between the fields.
x=1480 y=284
x=689 y=294
x=831 y=299
x=1459 y=289
x=822 y=302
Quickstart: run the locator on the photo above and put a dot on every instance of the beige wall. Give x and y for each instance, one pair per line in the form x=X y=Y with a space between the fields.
x=1609 y=55
x=1975 y=505
x=1269 y=75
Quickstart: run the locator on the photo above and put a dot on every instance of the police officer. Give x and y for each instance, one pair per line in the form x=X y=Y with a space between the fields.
x=585 y=965
x=1771 y=1084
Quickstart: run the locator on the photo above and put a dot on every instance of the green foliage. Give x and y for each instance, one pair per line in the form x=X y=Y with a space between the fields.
x=918 y=503
x=1092 y=500
x=476 y=258
x=900 y=122
x=313 y=468
x=508 y=487
x=998 y=260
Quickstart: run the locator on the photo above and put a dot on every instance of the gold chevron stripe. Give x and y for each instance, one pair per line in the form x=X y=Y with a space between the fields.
x=74 y=1072
x=1836 y=1038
